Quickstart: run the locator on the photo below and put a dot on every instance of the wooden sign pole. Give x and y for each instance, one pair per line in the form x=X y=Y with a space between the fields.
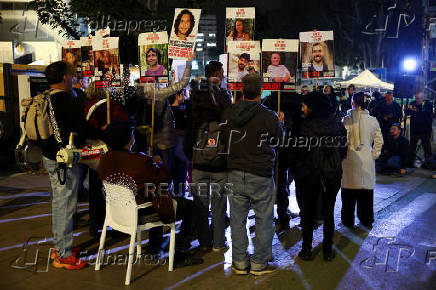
x=150 y=149
x=108 y=107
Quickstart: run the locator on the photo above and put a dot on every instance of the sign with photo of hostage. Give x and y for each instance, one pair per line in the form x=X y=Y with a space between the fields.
x=87 y=56
x=183 y=33
x=244 y=58
x=106 y=62
x=317 y=54
x=279 y=63
x=72 y=55
x=153 y=57
x=240 y=24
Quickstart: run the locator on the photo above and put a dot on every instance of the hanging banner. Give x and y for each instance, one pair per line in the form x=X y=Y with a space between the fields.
x=87 y=56
x=183 y=33
x=153 y=57
x=71 y=54
x=244 y=58
x=279 y=63
x=239 y=24
x=317 y=54
x=106 y=62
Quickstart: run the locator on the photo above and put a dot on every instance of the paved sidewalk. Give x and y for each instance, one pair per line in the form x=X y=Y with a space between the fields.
x=404 y=232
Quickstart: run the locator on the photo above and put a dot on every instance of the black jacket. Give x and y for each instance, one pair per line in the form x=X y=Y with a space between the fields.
x=397 y=147
x=204 y=110
x=318 y=149
x=70 y=118
x=252 y=133
x=382 y=109
x=421 y=120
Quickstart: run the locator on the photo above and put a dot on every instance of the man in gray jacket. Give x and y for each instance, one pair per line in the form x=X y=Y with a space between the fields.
x=252 y=134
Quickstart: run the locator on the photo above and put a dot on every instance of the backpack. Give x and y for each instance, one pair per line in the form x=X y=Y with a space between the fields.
x=209 y=150
x=36 y=116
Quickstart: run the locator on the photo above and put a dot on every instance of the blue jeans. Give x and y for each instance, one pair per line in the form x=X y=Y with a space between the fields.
x=64 y=203
x=257 y=192
x=203 y=191
x=394 y=162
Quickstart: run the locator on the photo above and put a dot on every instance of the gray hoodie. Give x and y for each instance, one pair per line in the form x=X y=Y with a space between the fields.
x=248 y=132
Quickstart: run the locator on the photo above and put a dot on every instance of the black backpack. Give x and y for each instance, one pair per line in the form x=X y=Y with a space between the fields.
x=209 y=150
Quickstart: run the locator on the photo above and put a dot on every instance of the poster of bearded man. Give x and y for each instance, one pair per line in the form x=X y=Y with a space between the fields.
x=317 y=54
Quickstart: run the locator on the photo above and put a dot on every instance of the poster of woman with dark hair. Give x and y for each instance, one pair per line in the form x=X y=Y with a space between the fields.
x=153 y=56
x=183 y=33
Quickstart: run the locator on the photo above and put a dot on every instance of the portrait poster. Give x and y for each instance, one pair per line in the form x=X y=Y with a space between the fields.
x=87 y=56
x=71 y=54
x=153 y=57
x=244 y=58
x=317 y=54
x=279 y=63
x=240 y=24
x=106 y=62
x=183 y=33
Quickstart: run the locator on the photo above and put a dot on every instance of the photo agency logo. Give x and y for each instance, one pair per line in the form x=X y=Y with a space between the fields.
x=38 y=253
x=126 y=25
x=389 y=254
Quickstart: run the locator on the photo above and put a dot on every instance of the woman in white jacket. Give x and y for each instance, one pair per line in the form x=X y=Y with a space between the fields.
x=364 y=147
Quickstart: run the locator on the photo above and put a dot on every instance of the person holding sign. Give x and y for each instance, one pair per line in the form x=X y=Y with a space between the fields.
x=152 y=59
x=318 y=63
x=238 y=32
x=279 y=73
x=184 y=24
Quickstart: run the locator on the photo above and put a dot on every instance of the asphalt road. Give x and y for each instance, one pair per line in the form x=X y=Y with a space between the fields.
x=398 y=253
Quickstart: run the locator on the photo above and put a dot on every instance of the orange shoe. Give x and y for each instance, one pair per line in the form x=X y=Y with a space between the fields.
x=70 y=263
x=74 y=251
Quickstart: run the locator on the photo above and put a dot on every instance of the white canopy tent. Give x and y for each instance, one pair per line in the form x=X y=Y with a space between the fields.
x=367 y=79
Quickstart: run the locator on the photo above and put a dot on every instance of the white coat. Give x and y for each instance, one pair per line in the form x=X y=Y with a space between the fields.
x=364 y=147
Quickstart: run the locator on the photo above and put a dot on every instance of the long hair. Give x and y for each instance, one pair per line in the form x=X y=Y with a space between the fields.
x=361 y=99
x=156 y=51
x=179 y=18
x=235 y=33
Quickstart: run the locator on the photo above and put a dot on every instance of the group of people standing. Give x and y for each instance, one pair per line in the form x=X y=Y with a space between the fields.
x=310 y=142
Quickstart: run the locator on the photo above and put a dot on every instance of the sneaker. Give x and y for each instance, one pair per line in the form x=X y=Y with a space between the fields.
x=70 y=263
x=306 y=255
x=238 y=271
x=219 y=249
x=74 y=252
x=267 y=270
x=329 y=256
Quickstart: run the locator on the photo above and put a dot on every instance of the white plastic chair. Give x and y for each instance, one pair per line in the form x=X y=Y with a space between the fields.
x=122 y=215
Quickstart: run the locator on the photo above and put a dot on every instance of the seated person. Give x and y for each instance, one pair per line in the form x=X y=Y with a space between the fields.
x=142 y=170
x=395 y=156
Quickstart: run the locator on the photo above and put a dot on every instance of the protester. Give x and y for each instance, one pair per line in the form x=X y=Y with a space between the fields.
x=364 y=147
x=376 y=98
x=290 y=110
x=96 y=115
x=181 y=162
x=387 y=113
x=321 y=146
x=251 y=168
x=345 y=101
x=68 y=116
x=304 y=90
x=208 y=102
x=420 y=112
x=395 y=156
x=329 y=92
